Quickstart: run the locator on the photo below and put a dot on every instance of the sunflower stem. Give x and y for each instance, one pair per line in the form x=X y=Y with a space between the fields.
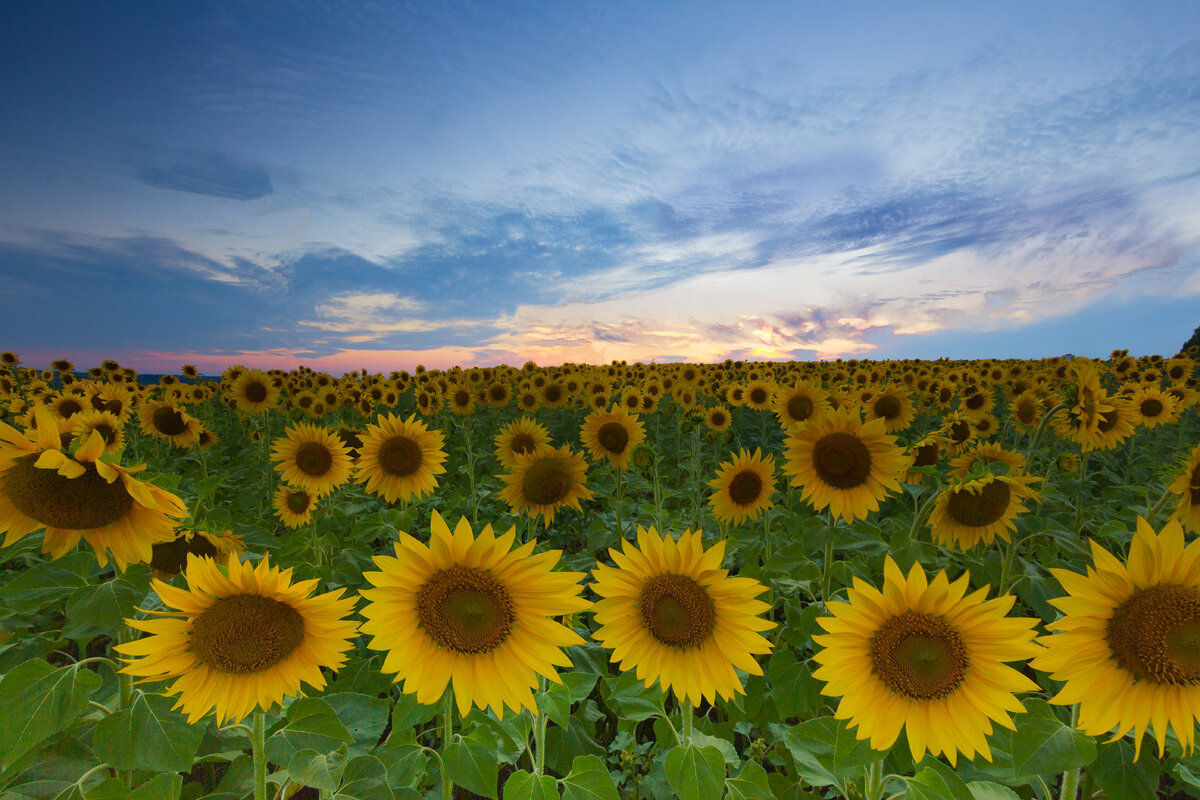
x=1083 y=459
x=1151 y=512
x=470 y=452
x=686 y=717
x=1037 y=434
x=620 y=493
x=539 y=735
x=125 y=682
x=1070 y=778
x=1006 y=569
x=447 y=734
x=767 y=562
x=258 y=746
x=827 y=563
x=922 y=514
x=657 y=497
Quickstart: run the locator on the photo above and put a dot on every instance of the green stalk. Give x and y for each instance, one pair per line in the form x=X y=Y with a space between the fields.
x=1006 y=570
x=620 y=494
x=1037 y=434
x=827 y=565
x=447 y=733
x=1152 y=512
x=1070 y=778
x=539 y=736
x=258 y=745
x=767 y=561
x=1083 y=459
x=466 y=428
x=685 y=713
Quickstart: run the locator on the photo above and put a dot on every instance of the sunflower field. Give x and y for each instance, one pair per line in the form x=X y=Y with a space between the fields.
x=854 y=579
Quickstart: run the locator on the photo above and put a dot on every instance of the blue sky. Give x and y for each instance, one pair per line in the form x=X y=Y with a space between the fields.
x=359 y=184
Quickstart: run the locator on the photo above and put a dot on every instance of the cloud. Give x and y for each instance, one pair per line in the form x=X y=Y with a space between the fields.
x=208 y=172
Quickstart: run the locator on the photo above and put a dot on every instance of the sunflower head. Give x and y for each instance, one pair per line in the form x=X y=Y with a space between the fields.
x=743 y=487
x=971 y=512
x=925 y=657
x=671 y=612
x=241 y=637
x=400 y=458
x=170 y=558
x=472 y=610
x=546 y=480
x=522 y=435
x=612 y=435
x=312 y=457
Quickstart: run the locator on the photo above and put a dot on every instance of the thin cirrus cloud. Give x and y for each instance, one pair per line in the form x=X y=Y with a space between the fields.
x=210 y=172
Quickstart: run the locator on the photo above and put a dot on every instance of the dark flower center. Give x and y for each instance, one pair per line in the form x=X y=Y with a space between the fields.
x=918 y=655
x=842 y=460
x=547 y=481
x=80 y=503
x=400 y=456
x=1155 y=634
x=613 y=437
x=978 y=510
x=465 y=609
x=246 y=633
x=745 y=488
x=677 y=611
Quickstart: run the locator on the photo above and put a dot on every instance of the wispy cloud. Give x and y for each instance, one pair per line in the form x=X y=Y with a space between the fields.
x=199 y=172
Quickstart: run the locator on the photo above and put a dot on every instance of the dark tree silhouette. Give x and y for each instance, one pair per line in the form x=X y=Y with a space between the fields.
x=1192 y=342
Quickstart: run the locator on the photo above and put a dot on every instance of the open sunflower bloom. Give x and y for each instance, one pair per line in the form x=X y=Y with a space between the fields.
x=78 y=495
x=472 y=611
x=1128 y=645
x=240 y=638
x=925 y=657
x=670 y=611
x=400 y=459
x=743 y=487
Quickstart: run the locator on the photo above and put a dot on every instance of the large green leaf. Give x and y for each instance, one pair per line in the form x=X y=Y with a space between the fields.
x=826 y=752
x=107 y=604
x=311 y=724
x=148 y=735
x=1122 y=778
x=318 y=770
x=364 y=717
x=37 y=701
x=749 y=784
x=365 y=778
x=522 y=785
x=158 y=787
x=1040 y=745
x=696 y=773
x=936 y=781
x=630 y=698
x=472 y=766
x=39 y=586
x=588 y=780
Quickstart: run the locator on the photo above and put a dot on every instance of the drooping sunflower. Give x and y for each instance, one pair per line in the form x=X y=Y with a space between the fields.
x=1087 y=400
x=253 y=392
x=522 y=435
x=400 y=459
x=546 y=480
x=312 y=457
x=925 y=453
x=294 y=505
x=170 y=558
x=241 y=638
x=612 y=435
x=959 y=432
x=669 y=610
x=1026 y=409
x=973 y=512
x=743 y=487
x=1187 y=486
x=474 y=611
x=844 y=464
x=80 y=496
x=1128 y=645
x=925 y=657
x=161 y=420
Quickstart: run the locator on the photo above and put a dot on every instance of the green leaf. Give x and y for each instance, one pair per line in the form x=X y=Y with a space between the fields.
x=405 y=763
x=1120 y=776
x=749 y=784
x=696 y=773
x=158 y=787
x=37 y=701
x=472 y=766
x=408 y=713
x=1042 y=744
x=556 y=701
x=936 y=781
x=40 y=586
x=148 y=735
x=728 y=751
x=311 y=724
x=631 y=699
x=986 y=790
x=825 y=750
x=588 y=780
x=318 y=770
x=364 y=717
x=366 y=778
x=793 y=687
x=522 y=785
x=107 y=604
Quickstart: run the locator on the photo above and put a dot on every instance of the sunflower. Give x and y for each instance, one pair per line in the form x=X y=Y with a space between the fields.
x=718 y=419
x=1187 y=486
x=1087 y=401
x=253 y=392
x=743 y=487
x=105 y=422
x=1117 y=424
x=893 y=406
x=460 y=399
x=206 y=439
x=66 y=406
x=926 y=657
x=170 y=558
x=294 y=506
x=79 y=495
x=985 y=453
x=522 y=435
x=399 y=458
x=972 y=512
x=669 y=610
x=1026 y=409
x=1128 y=645
x=243 y=637
x=1153 y=406
x=924 y=453
x=546 y=480
x=803 y=401
x=312 y=458
x=959 y=431
x=611 y=435
x=474 y=611
x=844 y=464
x=758 y=394
x=161 y=420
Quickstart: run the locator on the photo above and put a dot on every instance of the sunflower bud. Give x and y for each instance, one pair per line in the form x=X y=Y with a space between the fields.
x=643 y=458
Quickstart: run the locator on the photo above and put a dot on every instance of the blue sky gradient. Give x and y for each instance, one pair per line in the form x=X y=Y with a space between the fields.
x=359 y=184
